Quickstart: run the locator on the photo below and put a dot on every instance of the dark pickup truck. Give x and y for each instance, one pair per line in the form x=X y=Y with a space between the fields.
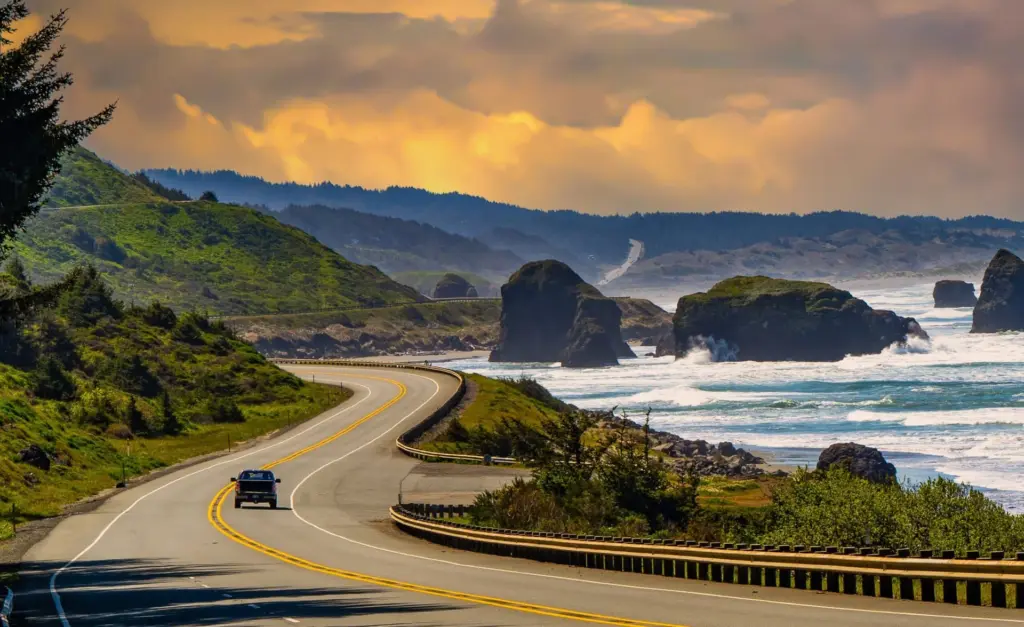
x=256 y=486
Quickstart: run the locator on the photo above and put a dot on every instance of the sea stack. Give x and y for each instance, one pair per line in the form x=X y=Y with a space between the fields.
x=454 y=286
x=949 y=294
x=549 y=313
x=763 y=319
x=1001 y=303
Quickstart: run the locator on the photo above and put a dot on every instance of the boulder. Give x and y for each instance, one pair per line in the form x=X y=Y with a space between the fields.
x=34 y=455
x=1001 y=303
x=861 y=461
x=954 y=294
x=548 y=313
x=764 y=319
x=454 y=286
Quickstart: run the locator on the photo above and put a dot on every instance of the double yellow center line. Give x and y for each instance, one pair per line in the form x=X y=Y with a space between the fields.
x=216 y=518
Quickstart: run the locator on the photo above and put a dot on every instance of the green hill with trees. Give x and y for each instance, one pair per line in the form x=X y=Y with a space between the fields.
x=190 y=255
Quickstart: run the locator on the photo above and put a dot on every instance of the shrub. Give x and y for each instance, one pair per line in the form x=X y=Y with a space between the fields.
x=87 y=298
x=53 y=382
x=208 y=196
x=158 y=315
x=134 y=419
x=109 y=250
x=224 y=410
x=96 y=408
x=131 y=374
x=120 y=431
x=172 y=425
x=188 y=330
x=837 y=508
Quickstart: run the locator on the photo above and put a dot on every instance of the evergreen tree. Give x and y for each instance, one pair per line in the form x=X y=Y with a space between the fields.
x=208 y=196
x=87 y=298
x=172 y=426
x=134 y=418
x=34 y=137
x=17 y=277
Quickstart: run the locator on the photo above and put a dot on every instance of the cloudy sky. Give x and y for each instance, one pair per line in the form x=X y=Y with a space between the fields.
x=882 y=106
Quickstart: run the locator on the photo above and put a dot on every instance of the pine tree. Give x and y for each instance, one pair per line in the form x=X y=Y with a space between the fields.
x=172 y=426
x=134 y=418
x=34 y=137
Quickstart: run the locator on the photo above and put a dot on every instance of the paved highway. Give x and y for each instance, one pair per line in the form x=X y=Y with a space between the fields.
x=169 y=553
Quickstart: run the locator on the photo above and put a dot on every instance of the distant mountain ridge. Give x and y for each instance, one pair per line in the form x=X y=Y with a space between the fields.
x=395 y=245
x=591 y=243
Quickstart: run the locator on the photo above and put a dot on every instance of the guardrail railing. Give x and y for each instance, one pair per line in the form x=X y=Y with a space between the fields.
x=928 y=576
x=405 y=441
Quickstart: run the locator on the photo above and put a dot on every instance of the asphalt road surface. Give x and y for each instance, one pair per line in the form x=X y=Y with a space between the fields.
x=166 y=553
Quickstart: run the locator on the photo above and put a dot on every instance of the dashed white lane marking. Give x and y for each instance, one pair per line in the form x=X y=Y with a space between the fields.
x=226 y=595
x=230 y=460
x=290 y=620
x=254 y=606
x=204 y=585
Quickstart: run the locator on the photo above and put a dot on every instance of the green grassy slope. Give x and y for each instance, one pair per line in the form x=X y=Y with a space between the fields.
x=86 y=180
x=71 y=373
x=493 y=401
x=209 y=256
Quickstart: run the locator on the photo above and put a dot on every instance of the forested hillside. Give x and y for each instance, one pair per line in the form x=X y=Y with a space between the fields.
x=396 y=245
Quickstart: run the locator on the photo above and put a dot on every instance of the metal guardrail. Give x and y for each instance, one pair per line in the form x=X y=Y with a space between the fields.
x=7 y=608
x=868 y=572
x=404 y=441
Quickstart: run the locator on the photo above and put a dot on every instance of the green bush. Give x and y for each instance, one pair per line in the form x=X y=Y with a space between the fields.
x=159 y=315
x=837 y=509
x=53 y=382
x=224 y=410
x=98 y=407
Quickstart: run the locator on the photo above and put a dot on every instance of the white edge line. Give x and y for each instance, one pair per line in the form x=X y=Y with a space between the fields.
x=588 y=581
x=231 y=460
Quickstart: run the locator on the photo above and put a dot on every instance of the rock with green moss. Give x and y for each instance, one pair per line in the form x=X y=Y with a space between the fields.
x=454 y=286
x=764 y=319
x=551 y=314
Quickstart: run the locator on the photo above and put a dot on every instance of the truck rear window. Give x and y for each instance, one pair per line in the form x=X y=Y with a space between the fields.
x=255 y=475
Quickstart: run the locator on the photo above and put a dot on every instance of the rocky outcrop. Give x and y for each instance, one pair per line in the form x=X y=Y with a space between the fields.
x=1001 y=303
x=550 y=314
x=454 y=286
x=697 y=457
x=764 y=319
x=861 y=461
x=643 y=322
x=34 y=455
x=954 y=294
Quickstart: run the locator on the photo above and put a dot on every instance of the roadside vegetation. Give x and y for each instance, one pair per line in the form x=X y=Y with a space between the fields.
x=93 y=390
x=592 y=474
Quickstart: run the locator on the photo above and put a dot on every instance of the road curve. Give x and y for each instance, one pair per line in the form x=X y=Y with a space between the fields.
x=169 y=554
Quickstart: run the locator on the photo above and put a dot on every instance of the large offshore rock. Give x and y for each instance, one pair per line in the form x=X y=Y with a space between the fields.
x=550 y=314
x=454 y=286
x=954 y=294
x=861 y=461
x=763 y=319
x=1001 y=303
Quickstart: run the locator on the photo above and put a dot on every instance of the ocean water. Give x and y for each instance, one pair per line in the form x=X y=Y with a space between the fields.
x=952 y=406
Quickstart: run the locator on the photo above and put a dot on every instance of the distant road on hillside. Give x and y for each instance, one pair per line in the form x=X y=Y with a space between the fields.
x=636 y=251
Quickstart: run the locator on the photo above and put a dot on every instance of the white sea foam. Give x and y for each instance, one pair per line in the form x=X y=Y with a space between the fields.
x=987 y=416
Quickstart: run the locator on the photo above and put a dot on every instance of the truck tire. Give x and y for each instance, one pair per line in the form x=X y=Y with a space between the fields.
x=273 y=504
x=238 y=504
